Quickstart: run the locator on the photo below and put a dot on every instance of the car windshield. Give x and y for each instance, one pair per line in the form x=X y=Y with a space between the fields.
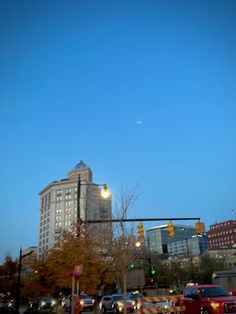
x=213 y=292
x=118 y=297
x=135 y=295
x=84 y=296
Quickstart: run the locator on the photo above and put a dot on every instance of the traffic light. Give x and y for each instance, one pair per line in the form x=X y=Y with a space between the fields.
x=153 y=271
x=132 y=266
x=140 y=231
x=200 y=227
x=171 y=229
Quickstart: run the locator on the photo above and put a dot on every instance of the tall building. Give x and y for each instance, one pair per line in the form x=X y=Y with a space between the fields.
x=222 y=235
x=65 y=202
x=158 y=237
x=188 y=247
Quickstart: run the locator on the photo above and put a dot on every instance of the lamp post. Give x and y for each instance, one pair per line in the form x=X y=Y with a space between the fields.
x=105 y=193
x=19 y=280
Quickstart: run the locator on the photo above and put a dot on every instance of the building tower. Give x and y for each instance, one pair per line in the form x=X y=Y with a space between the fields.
x=64 y=202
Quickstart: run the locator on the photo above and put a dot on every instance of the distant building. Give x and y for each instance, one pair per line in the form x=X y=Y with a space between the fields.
x=224 y=256
x=158 y=237
x=65 y=202
x=193 y=246
x=222 y=235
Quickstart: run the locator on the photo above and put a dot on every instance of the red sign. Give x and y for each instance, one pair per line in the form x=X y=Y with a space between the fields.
x=77 y=271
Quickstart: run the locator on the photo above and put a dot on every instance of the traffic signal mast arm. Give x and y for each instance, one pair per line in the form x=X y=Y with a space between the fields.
x=137 y=219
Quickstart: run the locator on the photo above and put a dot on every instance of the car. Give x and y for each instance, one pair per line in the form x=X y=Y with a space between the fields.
x=7 y=307
x=43 y=303
x=86 y=303
x=115 y=303
x=207 y=299
x=136 y=297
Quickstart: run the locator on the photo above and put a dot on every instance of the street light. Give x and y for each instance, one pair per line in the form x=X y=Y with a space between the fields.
x=19 y=280
x=104 y=193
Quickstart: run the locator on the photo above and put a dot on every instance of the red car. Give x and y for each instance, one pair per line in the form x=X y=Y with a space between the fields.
x=207 y=299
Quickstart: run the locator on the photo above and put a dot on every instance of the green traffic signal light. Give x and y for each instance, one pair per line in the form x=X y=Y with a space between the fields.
x=153 y=272
x=132 y=265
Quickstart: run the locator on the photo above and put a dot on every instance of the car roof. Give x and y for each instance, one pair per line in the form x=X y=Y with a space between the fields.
x=203 y=286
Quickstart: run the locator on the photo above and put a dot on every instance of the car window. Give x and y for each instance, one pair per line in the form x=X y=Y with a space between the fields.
x=118 y=297
x=213 y=292
x=188 y=292
x=107 y=298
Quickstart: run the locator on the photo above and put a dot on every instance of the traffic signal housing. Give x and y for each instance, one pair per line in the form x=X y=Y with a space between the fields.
x=200 y=227
x=171 y=230
x=140 y=231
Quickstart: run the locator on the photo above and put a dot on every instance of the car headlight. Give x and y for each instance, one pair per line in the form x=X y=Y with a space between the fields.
x=215 y=305
x=54 y=302
x=43 y=303
x=81 y=302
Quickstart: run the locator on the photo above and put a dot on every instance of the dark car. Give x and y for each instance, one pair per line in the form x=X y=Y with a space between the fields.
x=86 y=303
x=136 y=297
x=115 y=303
x=7 y=307
x=43 y=303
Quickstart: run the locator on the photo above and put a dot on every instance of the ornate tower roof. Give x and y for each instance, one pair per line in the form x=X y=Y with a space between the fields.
x=81 y=165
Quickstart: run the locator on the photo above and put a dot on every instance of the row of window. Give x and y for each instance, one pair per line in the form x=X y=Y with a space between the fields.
x=221 y=225
x=46 y=227
x=221 y=233
x=221 y=239
x=43 y=249
x=44 y=235
x=220 y=243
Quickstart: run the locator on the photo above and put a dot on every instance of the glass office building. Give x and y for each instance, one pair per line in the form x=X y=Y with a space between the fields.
x=158 y=237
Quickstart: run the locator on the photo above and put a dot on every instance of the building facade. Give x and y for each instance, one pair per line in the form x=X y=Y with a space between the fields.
x=158 y=237
x=222 y=235
x=188 y=247
x=65 y=202
x=224 y=256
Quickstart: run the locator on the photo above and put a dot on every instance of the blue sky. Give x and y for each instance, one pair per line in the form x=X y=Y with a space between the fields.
x=143 y=91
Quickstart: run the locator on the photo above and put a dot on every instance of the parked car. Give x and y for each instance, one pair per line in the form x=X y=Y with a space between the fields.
x=7 y=307
x=86 y=303
x=43 y=303
x=136 y=297
x=115 y=303
x=207 y=299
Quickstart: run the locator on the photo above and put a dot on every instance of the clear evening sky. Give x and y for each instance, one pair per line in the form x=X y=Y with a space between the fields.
x=142 y=91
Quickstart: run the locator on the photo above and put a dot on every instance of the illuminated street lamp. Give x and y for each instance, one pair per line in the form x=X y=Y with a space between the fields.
x=105 y=192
